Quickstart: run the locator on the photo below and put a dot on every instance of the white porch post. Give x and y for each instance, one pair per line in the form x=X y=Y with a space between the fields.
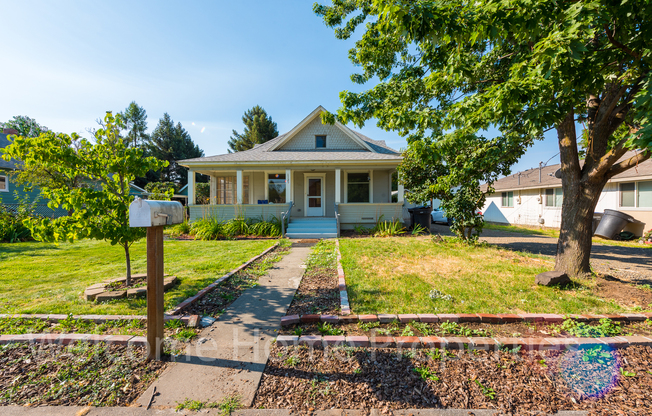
x=239 y=185
x=401 y=190
x=338 y=186
x=289 y=195
x=191 y=187
x=213 y=182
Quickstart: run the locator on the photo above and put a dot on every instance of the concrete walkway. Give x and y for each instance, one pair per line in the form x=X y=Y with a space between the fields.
x=229 y=357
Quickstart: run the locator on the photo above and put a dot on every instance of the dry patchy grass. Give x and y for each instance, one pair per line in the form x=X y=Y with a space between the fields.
x=397 y=276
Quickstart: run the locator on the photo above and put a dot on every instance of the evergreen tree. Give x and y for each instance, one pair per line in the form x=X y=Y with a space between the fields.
x=173 y=143
x=259 y=128
x=135 y=119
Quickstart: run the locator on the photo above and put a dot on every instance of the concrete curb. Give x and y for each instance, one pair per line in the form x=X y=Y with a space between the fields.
x=345 y=307
x=501 y=318
x=65 y=339
x=184 y=304
x=461 y=343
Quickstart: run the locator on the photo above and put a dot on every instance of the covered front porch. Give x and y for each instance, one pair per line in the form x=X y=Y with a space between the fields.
x=356 y=195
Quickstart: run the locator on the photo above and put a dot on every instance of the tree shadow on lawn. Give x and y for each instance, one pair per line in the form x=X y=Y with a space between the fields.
x=25 y=247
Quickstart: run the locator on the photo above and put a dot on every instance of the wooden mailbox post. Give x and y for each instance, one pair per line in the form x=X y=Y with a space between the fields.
x=154 y=215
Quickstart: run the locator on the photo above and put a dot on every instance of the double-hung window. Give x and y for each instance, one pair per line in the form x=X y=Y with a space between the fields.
x=227 y=190
x=358 y=187
x=636 y=194
x=276 y=188
x=554 y=197
x=4 y=183
x=508 y=199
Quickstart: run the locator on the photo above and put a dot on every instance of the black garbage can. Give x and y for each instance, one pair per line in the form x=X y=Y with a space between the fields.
x=612 y=223
x=421 y=216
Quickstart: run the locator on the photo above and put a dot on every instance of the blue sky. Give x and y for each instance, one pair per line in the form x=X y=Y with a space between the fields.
x=203 y=62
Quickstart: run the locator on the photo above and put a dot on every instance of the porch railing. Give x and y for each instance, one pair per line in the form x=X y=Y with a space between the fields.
x=285 y=215
x=337 y=219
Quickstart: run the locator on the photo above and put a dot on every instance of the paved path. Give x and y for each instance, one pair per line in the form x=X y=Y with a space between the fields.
x=229 y=357
x=636 y=261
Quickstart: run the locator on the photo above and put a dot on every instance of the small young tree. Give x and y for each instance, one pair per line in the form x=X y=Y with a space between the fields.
x=435 y=168
x=100 y=208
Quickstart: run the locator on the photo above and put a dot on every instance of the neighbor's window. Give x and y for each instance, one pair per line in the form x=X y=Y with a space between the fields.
x=320 y=142
x=636 y=194
x=227 y=190
x=4 y=184
x=508 y=199
x=276 y=186
x=358 y=187
x=554 y=197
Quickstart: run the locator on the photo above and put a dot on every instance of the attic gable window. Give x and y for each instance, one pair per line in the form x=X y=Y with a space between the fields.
x=4 y=184
x=320 y=142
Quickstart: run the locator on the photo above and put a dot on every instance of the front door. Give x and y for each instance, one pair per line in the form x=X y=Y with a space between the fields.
x=314 y=197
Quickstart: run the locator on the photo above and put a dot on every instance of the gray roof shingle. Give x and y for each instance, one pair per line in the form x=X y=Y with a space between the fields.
x=530 y=177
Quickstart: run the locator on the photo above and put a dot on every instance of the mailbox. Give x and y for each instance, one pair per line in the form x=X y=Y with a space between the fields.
x=146 y=213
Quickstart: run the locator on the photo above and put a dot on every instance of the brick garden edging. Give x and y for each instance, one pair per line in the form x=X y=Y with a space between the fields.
x=341 y=283
x=65 y=339
x=190 y=320
x=461 y=343
x=461 y=317
x=204 y=291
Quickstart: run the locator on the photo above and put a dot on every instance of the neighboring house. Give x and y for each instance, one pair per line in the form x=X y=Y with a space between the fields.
x=12 y=194
x=534 y=197
x=316 y=169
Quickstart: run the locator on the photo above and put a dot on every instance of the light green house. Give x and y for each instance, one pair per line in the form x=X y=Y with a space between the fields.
x=323 y=177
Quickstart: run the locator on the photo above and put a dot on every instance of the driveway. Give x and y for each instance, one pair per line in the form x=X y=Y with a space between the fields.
x=629 y=263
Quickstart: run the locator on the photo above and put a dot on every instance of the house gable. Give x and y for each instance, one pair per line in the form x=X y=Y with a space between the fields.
x=336 y=138
x=302 y=136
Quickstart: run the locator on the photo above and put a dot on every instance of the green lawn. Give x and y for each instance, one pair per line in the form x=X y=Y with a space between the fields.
x=396 y=275
x=47 y=278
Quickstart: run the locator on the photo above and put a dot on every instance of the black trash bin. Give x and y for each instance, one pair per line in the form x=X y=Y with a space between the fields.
x=421 y=216
x=612 y=223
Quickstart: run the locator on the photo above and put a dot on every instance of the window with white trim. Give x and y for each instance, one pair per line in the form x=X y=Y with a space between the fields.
x=358 y=187
x=508 y=199
x=227 y=190
x=276 y=188
x=4 y=183
x=554 y=197
x=636 y=194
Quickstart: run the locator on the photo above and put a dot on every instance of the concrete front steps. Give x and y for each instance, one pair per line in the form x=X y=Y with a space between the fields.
x=312 y=227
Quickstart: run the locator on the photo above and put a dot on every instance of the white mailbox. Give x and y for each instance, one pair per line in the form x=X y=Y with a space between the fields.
x=146 y=213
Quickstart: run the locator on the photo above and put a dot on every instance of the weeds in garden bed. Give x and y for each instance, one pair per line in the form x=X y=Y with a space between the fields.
x=76 y=375
x=71 y=325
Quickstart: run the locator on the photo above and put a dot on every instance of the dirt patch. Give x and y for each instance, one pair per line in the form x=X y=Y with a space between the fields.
x=302 y=379
x=217 y=300
x=623 y=292
x=471 y=329
x=75 y=375
x=318 y=292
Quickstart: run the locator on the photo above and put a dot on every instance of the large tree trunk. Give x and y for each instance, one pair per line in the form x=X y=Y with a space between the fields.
x=128 y=258
x=581 y=195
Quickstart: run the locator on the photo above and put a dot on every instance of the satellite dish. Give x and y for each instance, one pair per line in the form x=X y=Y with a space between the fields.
x=558 y=174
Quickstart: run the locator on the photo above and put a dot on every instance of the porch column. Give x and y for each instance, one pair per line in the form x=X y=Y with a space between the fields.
x=213 y=182
x=338 y=186
x=401 y=190
x=288 y=186
x=191 y=187
x=239 y=184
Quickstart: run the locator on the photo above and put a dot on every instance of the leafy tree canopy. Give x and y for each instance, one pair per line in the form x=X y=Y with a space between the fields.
x=521 y=66
x=161 y=191
x=259 y=128
x=100 y=208
x=26 y=126
x=172 y=143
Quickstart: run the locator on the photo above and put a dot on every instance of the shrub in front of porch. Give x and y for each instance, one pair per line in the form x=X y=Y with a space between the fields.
x=215 y=229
